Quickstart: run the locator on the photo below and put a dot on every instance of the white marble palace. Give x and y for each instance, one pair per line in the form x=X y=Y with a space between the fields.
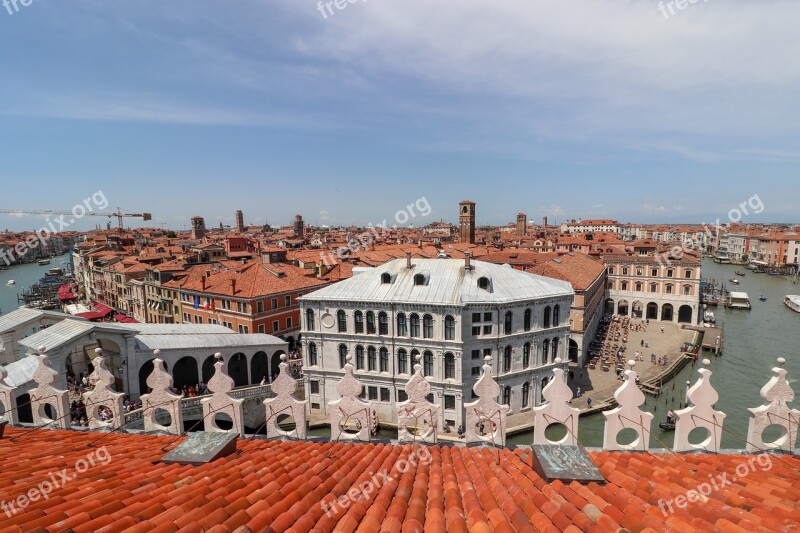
x=451 y=313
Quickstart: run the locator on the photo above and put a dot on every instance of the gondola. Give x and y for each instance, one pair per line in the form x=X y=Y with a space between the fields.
x=740 y=273
x=667 y=426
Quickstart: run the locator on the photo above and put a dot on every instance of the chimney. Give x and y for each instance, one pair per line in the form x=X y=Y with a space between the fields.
x=203 y=282
x=408 y=260
x=467 y=260
x=233 y=286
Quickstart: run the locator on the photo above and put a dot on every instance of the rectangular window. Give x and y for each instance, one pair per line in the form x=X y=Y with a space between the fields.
x=476 y=354
x=385 y=396
x=274 y=303
x=260 y=306
x=487 y=351
x=373 y=393
x=449 y=401
x=315 y=406
x=314 y=386
x=287 y=301
x=476 y=371
x=487 y=317
x=487 y=330
x=476 y=317
x=261 y=328
x=401 y=395
x=275 y=326
x=476 y=330
x=288 y=322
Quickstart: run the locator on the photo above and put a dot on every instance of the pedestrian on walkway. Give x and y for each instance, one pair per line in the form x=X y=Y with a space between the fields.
x=662 y=329
x=589 y=403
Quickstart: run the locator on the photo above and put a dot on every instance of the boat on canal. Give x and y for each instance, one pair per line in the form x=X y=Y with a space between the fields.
x=792 y=301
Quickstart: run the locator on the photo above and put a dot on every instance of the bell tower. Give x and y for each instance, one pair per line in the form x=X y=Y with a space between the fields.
x=466 y=221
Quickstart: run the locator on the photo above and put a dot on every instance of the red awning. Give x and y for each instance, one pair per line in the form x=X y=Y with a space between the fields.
x=103 y=310
x=65 y=294
x=125 y=319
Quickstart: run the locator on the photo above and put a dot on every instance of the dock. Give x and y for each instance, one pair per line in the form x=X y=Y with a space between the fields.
x=710 y=336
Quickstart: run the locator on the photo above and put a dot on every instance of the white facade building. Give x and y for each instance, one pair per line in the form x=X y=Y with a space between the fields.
x=451 y=312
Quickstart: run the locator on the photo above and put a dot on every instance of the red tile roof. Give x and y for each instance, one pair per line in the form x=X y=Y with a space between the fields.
x=280 y=486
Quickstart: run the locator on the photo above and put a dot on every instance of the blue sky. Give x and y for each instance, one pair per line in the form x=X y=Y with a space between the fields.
x=567 y=109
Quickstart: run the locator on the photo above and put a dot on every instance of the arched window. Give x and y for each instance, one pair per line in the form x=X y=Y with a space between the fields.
x=670 y=272
x=372 y=359
x=624 y=271
x=556 y=316
x=483 y=283
x=427 y=326
x=341 y=319
x=449 y=328
x=384 y=359
x=639 y=271
x=383 y=323
x=610 y=285
x=545 y=351
x=653 y=287
x=546 y=321
x=360 y=357
x=611 y=270
x=370 y=323
x=342 y=355
x=507 y=359
x=507 y=395
x=402 y=361
x=427 y=360
x=509 y=318
x=419 y=279
x=638 y=286
x=449 y=366
x=415 y=325
x=669 y=288
x=526 y=320
x=358 y=318
x=526 y=392
x=555 y=349
x=312 y=354
x=386 y=277
x=310 y=319
x=526 y=355
x=402 y=325
x=687 y=290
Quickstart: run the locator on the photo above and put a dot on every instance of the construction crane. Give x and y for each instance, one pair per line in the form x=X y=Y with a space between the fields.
x=73 y=216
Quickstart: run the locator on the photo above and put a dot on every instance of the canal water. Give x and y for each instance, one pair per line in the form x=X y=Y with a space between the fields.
x=753 y=341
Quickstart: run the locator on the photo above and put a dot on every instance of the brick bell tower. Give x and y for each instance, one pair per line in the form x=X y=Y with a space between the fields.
x=466 y=222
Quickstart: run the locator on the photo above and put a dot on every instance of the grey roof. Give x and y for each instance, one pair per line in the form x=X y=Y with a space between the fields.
x=447 y=283
x=58 y=334
x=20 y=372
x=175 y=329
x=207 y=341
x=22 y=315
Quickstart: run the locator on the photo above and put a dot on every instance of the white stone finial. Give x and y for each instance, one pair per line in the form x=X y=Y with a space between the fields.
x=156 y=352
x=45 y=394
x=285 y=403
x=103 y=395
x=631 y=363
x=626 y=415
x=42 y=348
x=781 y=361
x=161 y=399
x=556 y=410
x=351 y=417
x=485 y=413
x=706 y=362
x=778 y=394
x=98 y=351
x=700 y=413
x=8 y=398
x=417 y=411
x=557 y=360
x=221 y=402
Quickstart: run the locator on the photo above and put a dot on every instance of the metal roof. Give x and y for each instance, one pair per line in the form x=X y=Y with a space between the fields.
x=739 y=295
x=20 y=316
x=446 y=282
x=175 y=329
x=207 y=341
x=21 y=372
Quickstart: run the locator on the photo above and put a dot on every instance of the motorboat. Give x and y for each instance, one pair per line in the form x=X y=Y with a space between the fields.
x=792 y=301
x=709 y=317
x=11 y=282
x=762 y=298
x=740 y=274
x=734 y=281
x=43 y=262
